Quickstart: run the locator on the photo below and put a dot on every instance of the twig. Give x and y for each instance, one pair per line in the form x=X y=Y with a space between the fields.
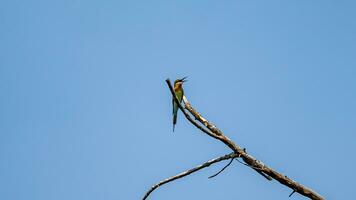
x=212 y=176
x=217 y=134
x=186 y=173
x=291 y=193
x=258 y=170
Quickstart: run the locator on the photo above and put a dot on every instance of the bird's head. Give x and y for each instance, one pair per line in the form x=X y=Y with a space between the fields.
x=179 y=82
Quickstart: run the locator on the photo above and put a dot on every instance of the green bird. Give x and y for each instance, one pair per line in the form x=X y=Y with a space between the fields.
x=178 y=89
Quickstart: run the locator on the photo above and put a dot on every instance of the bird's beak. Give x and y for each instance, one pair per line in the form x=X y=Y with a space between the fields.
x=184 y=79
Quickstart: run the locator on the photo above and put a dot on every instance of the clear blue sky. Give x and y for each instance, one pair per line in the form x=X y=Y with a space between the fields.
x=86 y=114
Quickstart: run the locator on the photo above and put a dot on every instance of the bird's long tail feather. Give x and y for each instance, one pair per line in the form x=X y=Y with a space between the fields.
x=174 y=121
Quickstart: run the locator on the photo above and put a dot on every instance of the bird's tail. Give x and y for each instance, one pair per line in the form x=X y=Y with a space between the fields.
x=174 y=121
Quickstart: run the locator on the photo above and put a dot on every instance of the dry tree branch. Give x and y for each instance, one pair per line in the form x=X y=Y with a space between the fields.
x=228 y=164
x=212 y=131
x=251 y=161
x=186 y=173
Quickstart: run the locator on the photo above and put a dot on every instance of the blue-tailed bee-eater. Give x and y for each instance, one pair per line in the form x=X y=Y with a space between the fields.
x=178 y=89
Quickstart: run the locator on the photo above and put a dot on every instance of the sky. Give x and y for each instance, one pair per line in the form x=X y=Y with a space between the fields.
x=86 y=113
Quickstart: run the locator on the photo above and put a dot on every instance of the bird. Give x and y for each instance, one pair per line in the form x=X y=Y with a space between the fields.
x=178 y=90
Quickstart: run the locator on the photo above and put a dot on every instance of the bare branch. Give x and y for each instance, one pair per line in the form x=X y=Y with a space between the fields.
x=251 y=161
x=212 y=176
x=186 y=173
